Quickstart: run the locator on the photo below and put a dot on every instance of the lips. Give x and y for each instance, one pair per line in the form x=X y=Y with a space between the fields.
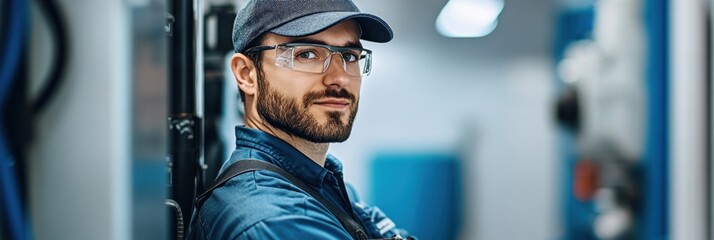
x=333 y=102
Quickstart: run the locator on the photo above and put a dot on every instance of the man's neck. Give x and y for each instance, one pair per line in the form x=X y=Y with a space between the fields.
x=317 y=152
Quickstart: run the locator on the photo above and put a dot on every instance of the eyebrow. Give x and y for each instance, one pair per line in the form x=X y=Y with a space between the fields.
x=316 y=41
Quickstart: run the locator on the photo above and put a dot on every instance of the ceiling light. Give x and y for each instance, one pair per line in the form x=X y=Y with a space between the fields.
x=468 y=18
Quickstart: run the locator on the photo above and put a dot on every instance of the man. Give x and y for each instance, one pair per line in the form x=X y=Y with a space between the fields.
x=299 y=66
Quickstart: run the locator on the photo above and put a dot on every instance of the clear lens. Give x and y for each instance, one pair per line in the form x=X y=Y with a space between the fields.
x=284 y=57
x=317 y=59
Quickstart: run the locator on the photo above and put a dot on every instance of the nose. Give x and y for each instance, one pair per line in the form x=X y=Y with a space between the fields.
x=336 y=74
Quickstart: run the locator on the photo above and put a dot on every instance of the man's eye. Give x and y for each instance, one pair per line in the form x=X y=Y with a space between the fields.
x=349 y=57
x=307 y=55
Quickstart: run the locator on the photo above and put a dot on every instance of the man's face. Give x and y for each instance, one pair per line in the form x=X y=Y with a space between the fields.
x=316 y=107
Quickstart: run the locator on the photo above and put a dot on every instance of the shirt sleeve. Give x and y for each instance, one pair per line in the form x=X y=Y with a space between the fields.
x=294 y=227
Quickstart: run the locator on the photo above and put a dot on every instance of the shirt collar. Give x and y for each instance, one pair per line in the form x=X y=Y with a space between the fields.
x=286 y=156
x=333 y=164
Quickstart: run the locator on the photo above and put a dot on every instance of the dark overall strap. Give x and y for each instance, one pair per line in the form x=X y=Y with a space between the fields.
x=249 y=165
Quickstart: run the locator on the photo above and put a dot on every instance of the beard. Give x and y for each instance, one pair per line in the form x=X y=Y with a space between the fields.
x=294 y=119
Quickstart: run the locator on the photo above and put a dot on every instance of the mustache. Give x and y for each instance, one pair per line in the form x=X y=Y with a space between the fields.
x=342 y=93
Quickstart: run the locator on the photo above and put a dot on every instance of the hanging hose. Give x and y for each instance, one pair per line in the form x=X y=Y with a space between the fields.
x=179 y=218
x=11 y=54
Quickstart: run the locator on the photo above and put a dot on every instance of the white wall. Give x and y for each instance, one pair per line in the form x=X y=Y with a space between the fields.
x=428 y=92
x=79 y=159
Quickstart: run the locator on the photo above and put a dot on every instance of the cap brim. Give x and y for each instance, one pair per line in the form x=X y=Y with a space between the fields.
x=373 y=28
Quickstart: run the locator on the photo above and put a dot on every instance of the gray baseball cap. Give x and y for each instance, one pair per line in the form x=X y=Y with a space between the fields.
x=297 y=18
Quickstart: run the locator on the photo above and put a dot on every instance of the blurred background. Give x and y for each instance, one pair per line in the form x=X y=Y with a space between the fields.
x=482 y=119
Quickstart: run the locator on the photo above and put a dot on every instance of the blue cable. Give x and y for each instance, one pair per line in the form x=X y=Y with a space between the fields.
x=11 y=58
x=17 y=29
x=12 y=198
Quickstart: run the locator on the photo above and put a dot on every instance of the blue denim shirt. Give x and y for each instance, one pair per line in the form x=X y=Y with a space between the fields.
x=264 y=205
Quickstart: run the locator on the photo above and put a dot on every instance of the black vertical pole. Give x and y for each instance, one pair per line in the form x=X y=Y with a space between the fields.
x=184 y=124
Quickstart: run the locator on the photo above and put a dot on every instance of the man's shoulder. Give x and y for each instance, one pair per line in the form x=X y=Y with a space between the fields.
x=256 y=193
x=248 y=199
x=253 y=198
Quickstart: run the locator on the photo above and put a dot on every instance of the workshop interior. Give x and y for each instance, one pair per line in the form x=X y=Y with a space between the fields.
x=482 y=119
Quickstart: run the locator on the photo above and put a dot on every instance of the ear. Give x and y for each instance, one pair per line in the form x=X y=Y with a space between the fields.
x=246 y=74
